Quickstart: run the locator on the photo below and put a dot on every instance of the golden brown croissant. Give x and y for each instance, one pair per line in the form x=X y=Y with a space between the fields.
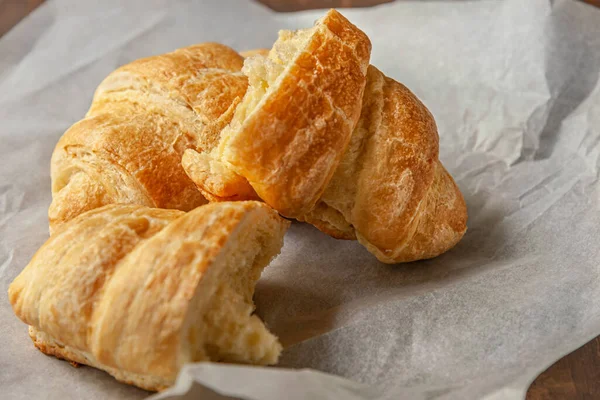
x=290 y=131
x=139 y=291
x=390 y=191
x=378 y=180
x=144 y=115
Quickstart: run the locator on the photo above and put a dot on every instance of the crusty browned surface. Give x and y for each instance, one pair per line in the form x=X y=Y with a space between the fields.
x=390 y=188
x=357 y=163
x=288 y=148
x=143 y=117
x=114 y=287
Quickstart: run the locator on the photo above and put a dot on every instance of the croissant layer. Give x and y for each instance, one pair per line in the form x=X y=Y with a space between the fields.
x=143 y=116
x=326 y=138
x=138 y=291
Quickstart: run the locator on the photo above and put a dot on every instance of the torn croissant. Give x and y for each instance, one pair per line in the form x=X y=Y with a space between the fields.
x=313 y=143
x=290 y=130
x=138 y=291
x=144 y=115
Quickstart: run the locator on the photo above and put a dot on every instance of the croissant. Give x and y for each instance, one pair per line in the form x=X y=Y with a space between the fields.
x=390 y=191
x=313 y=143
x=294 y=121
x=139 y=291
x=128 y=148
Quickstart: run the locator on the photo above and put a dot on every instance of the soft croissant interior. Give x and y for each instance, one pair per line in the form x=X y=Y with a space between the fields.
x=228 y=330
x=263 y=74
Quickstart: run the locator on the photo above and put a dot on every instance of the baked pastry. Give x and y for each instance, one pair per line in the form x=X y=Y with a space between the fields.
x=128 y=148
x=390 y=191
x=254 y=52
x=140 y=291
x=378 y=180
x=291 y=129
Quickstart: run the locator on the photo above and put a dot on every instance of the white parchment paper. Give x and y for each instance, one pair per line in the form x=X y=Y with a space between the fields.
x=514 y=88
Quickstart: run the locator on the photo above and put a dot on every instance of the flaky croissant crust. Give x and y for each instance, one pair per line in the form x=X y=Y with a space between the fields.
x=390 y=191
x=291 y=129
x=377 y=178
x=139 y=291
x=143 y=117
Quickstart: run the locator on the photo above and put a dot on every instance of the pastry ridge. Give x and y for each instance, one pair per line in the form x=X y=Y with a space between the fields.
x=286 y=139
x=143 y=116
x=390 y=187
x=375 y=176
x=138 y=291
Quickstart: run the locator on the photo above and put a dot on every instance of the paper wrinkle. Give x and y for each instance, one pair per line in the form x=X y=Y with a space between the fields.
x=10 y=202
x=15 y=80
x=296 y=384
x=6 y=256
x=584 y=125
x=514 y=87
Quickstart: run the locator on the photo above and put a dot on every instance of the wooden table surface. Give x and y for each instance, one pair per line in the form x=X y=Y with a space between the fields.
x=575 y=376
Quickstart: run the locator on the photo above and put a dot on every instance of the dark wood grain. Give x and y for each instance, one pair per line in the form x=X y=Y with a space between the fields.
x=575 y=376
x=12 y=11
